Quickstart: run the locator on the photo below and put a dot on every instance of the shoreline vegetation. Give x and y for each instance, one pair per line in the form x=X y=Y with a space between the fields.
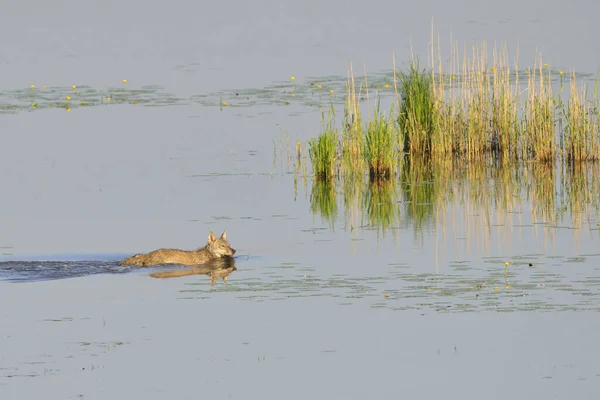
x=474 y=137
x=475 y=108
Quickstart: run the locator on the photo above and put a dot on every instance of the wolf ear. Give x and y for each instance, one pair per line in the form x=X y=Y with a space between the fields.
x=224 y=235
x=211 y=237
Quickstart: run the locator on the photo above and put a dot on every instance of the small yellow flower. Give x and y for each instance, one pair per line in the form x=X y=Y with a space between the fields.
x=293 y=94
x=319 y=86
x=292 y=78
x=74 y=87
x=496 y=288
x=560 y=72
x=452 y=77
x=32 y=86
x=493 y=69
x=68 y=109
x=68 y=97
x=546 y=65
x=387 y=85
x=134 y=102
x=108 y=99
x=507 y=286
x=124 y=81
x=33 y=104
x=44 y=87
x=385 y=296
x=330 y=90
x=506 y=263
x=224 y=104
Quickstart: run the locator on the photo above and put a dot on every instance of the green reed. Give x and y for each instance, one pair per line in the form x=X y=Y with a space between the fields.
x=581 y=132
x=322 y=150
x=416 y=113
x=380 y=151
x=504 y=109
x=353 y=138
x=538 y=115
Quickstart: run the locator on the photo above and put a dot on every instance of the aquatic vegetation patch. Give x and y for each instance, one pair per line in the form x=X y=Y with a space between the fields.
x=76 y=96
x=473 y=109
x=322 y=151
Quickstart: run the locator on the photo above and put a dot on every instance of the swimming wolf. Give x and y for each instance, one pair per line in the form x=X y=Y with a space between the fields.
x=214 y=249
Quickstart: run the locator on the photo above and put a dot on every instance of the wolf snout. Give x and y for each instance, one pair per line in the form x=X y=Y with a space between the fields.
x=232 y=251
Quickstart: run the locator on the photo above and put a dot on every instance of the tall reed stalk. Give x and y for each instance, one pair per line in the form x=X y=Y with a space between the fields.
x=353 y=140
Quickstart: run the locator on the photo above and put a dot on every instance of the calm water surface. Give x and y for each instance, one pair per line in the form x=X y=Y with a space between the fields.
x=398 y=290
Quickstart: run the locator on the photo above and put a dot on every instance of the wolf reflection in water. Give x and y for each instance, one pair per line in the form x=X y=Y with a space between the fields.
x=219 y=268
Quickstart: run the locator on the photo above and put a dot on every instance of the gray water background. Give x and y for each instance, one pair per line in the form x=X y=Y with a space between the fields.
x=305 y=313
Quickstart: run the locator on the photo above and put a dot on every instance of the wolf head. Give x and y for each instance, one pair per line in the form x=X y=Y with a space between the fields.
x=219 y=247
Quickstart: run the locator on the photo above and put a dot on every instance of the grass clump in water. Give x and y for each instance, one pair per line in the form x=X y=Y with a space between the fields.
x=539 y=119
x=380 y=146
x=323 y=152
x=416 y=112
x=582 y=130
